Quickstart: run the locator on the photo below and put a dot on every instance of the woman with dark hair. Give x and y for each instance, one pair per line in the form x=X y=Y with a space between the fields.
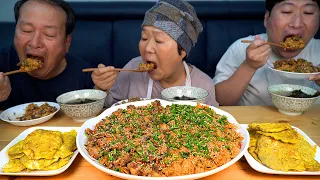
x=169 y=30
x=242 y=75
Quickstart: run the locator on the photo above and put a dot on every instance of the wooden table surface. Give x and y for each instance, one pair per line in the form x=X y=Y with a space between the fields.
x=309 y=122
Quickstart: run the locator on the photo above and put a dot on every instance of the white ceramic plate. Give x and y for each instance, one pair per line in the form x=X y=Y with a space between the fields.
x=82 y=139
x=11 y=115
x=126 y=101
x=4 y=158
x=264 y=169
x=292 y=75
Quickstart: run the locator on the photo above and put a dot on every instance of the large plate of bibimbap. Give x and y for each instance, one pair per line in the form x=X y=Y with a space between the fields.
x=158 y=139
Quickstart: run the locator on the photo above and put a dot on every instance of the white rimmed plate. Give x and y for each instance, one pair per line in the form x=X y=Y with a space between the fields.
x=82 y=139
x=126 y=101
x=292 y=75
x=264 y=169
x=4 y=158
x=12 y=114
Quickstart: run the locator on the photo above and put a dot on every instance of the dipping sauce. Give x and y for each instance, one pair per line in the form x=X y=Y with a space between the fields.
x=81 y=101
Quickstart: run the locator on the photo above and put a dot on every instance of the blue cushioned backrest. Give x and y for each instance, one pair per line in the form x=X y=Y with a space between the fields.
x=223 y=33
x=92 y=41
x=198 y=55
x=7 y=30
x=126 y=37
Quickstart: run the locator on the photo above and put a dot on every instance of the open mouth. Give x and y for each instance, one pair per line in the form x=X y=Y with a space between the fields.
x=292 y=36
x=35 y=57
x=293 y=42
x=155 y=65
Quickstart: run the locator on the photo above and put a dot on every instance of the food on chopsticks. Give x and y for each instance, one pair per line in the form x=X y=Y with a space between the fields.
x=300 y=66
x=31 y=64
x=146 y=66
x=280 y=147
x=41 y=150
x=157 y=141
x=34 y=111
x=293 y=42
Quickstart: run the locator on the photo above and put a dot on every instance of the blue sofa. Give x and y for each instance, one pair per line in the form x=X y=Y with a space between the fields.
x=109 y=32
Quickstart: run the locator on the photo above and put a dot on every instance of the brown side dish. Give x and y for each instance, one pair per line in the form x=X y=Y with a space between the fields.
x=34 y=111
x=300 y=66
x=159 y=141
x=293 y=42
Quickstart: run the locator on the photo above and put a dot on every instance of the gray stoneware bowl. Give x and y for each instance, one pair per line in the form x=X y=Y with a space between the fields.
x=81 y=105
x=290 y=105
x=197 y=93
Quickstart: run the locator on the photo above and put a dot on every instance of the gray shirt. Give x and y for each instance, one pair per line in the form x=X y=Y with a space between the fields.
x=133 y=84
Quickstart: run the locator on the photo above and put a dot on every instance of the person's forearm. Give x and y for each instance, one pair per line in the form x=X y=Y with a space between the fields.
x=230 y=91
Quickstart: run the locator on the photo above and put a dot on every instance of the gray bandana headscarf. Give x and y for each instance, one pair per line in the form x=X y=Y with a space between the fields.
x=178 y=19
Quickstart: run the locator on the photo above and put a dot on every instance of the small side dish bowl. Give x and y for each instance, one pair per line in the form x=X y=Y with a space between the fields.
x=291 y=105
x=82 y=105
x=185 y=93
x=13 y=114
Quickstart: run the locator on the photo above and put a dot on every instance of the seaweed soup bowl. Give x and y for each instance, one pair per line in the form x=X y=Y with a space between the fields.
x=185 y=93
x=82 y=105
x=291 y=105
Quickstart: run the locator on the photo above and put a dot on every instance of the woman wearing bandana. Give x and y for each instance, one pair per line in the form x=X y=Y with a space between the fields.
x=169 y=30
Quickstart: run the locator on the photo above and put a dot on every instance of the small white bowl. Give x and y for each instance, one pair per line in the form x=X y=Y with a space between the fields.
x=290 y=105
x=197 y=93
x=85 y=111
x=12 y=114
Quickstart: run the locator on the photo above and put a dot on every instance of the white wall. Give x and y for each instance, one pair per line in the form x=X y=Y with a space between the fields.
x=7 y=15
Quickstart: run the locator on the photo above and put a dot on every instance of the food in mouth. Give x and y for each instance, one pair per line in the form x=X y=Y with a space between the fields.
x=146 y=66
x=293 y=42
x=300 y=66
x=31 y=64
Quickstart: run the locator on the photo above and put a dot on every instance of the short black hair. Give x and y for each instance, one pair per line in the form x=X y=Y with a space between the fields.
x=70 y=23
x=271 y=3
x=180 y=49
